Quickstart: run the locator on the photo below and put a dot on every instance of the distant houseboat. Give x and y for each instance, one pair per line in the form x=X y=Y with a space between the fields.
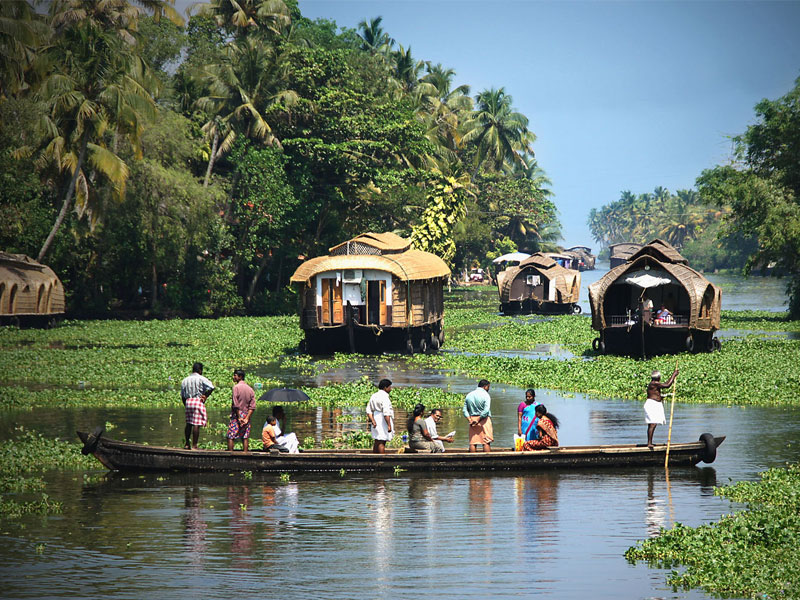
x=30 y=292
x=586 y=259
x=370 y=294
x=655 y=303
x=620 y=253
x=539 y=285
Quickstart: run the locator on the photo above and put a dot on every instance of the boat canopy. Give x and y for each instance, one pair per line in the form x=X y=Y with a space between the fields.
x=379 y=251
x=513 y=256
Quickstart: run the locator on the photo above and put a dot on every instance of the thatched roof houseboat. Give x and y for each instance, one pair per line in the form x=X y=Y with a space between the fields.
x=29 y=291
x=539 y=285
x=370 y=294
x=586 y=259
x=620 y=253
x=655 y=303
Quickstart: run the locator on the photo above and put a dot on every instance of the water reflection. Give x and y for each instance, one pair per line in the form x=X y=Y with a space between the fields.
x=195 y=527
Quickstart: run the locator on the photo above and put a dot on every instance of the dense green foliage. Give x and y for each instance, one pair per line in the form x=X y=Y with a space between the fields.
x=754 y=553
x=685 y=220
x=763 y=188
x=185 y=169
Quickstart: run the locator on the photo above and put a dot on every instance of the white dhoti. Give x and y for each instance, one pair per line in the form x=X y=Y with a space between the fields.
x=290 y=441
x=654 y=412
x=439 y=444
x=381 y=430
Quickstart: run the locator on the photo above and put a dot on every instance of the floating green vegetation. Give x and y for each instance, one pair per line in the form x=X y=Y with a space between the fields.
x=139 y=364
x=752 y=554
x=29 y=453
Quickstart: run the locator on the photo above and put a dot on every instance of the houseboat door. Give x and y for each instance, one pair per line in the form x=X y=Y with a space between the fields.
x=376 y=302
x=332 y=312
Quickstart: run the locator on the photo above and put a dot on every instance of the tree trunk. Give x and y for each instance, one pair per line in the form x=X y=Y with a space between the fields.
x=211 y=159
x=278 y=276
x=67 y=201
x=251 y=289
x=154 y=276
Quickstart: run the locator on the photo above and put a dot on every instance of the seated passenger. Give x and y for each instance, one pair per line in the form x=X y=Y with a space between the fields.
x=431 y=422
x=268 y=437
x=418 y=436
x=663 y=315
x=285 y=439
x=547 y=424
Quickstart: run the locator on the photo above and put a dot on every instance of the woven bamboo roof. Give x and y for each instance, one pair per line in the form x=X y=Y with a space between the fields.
x=27 y=275
x=659 y=256
x=661 y=250
x=623 y=249
x=385 y=242
x=408 y=265
x=546 y=267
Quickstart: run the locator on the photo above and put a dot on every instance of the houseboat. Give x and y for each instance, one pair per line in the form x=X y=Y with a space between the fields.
x=586 y=259
x=371 y=294
x=620 y=253
x=539 y=285
x=30 y=292
x=655 y=303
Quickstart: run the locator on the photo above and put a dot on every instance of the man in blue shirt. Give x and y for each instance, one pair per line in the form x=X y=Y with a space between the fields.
x=477 y=410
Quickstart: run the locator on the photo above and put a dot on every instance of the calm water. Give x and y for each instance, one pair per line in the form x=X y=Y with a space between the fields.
x=554 y=535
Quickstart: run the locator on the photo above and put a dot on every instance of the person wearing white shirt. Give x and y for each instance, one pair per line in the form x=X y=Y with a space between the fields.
x=431 y=422
x=380 y=415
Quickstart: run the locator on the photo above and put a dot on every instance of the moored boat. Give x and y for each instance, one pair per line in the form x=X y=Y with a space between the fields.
x=128 y=456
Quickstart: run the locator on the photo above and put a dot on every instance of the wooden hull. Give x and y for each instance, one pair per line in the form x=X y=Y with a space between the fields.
x=127 y=456
x=632 y=341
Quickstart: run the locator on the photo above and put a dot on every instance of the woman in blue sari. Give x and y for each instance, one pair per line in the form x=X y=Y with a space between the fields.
x=528 y=418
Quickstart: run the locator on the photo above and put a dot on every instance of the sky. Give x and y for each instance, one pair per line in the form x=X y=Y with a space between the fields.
x=621 y=95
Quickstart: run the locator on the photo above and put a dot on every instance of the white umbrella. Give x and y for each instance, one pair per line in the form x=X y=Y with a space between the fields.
x=518 y=256
x=646 y=279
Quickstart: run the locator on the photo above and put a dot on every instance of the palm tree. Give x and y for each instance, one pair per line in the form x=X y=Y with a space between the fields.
x=268 y=18
x=95 y=85
x=21 y=31
x=497 y=130
x=250 y=79
x=374 y=38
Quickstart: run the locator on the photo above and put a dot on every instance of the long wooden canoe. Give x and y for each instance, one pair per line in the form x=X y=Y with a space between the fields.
x=127 y=456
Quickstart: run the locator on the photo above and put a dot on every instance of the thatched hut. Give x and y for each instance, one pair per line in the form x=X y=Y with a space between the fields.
x=586 y=259
x=370 y=294
x=620 y=253
x=539 y=285
x=655 y=303
x=29 y=291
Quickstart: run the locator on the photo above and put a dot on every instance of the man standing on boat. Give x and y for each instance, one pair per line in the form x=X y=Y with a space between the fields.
x=477 y=410
x=381 y=416
x=243 y=406
x=195 y=389
x=654 y=405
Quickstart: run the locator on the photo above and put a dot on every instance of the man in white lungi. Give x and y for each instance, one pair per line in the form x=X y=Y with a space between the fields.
x=381 y=416
x=654 y=405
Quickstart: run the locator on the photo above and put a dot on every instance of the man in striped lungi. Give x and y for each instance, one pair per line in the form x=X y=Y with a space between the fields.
x=194 y=390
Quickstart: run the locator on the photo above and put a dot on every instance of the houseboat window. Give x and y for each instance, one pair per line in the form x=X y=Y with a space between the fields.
x=12 y=299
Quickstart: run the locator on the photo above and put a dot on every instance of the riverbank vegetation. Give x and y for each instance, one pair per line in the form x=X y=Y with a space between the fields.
x=141 y=364
x=23 y=461
x=171 y=167
x=754 y=553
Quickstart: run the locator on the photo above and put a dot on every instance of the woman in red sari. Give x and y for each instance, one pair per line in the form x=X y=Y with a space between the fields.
x=548 y=430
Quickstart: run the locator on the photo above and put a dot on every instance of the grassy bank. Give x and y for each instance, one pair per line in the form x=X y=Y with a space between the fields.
x=754 y=553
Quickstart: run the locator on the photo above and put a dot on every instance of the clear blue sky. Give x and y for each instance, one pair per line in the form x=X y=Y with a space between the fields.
x=621 y=95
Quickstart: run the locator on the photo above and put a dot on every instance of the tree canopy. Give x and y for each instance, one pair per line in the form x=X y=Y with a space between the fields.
x=184 y=167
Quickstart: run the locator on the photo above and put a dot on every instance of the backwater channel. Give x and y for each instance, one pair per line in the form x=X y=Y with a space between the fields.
x=548 y=534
